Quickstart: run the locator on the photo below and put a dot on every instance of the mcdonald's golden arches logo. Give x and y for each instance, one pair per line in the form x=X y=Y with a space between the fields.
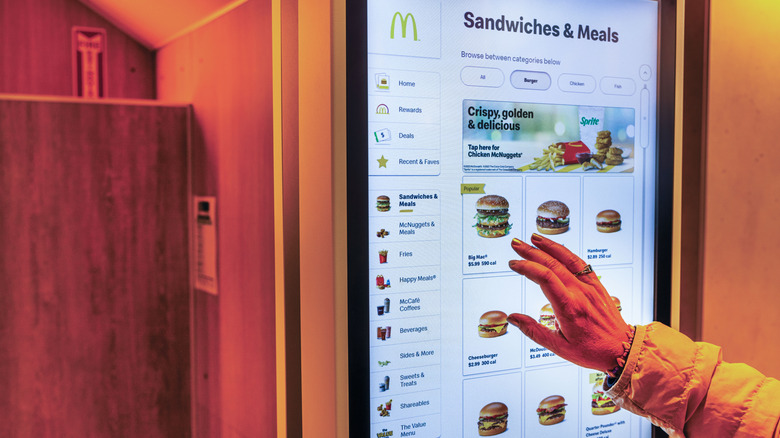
x=404 y=19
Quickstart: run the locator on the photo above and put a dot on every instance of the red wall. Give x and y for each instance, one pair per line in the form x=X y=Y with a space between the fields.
x=225 y=70
x=741 y=298
x=35 y=51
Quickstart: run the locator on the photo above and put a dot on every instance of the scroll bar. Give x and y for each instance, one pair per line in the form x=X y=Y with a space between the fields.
x=644 y=117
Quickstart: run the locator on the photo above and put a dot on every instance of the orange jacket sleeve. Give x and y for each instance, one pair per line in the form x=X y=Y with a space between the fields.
x=685 y=388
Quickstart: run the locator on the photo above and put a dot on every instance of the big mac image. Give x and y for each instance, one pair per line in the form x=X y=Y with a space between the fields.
x=492 y=216
x=493 y=419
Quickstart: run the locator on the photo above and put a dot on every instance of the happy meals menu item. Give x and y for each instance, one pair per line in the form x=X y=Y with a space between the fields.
x=525 y=137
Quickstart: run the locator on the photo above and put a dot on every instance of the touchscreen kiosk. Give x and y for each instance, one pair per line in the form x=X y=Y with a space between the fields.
x=472 y=123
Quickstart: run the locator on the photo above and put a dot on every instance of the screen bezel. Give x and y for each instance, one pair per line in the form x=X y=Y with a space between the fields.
x=357 y=194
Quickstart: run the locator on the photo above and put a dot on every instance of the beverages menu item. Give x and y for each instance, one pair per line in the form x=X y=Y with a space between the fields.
x=490 y=121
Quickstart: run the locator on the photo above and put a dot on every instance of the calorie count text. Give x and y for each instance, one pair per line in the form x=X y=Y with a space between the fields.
x=479 y=260
x=599 y=256
x=541 y=355
x=482 y=363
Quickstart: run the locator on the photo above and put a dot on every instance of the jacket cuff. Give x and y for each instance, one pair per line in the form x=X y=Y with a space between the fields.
x=619 y=388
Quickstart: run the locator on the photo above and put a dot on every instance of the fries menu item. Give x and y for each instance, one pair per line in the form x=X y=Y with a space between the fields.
x=492 y=324
x=552 y=218
x=492 y=216
x=552 y=410
x=493 y=419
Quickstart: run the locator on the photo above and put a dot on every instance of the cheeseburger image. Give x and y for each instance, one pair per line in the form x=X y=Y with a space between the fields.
x=547 y=317
x=601 y=404
x=492 y=216
x=552 y=217
x=383 y=203
x=608 y=221
x=492 y=419
x=492 y=324
x=552 y=410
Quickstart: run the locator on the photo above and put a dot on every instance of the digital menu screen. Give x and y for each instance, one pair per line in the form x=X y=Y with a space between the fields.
x=489 y=121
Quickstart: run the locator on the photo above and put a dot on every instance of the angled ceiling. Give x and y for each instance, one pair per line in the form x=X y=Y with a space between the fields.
x=155 y=23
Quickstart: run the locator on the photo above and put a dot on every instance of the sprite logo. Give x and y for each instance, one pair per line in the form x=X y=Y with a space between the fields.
x=404 y=21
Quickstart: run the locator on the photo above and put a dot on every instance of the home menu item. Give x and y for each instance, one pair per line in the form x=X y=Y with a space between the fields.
x=484 y=122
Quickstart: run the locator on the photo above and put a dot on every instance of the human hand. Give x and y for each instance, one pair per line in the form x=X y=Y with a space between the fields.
x=591 y=333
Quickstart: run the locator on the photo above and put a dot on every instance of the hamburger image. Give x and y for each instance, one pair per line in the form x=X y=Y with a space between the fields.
x=492 y=216
x=492 y=324
x=492 y=419
x=601 y=404
x=383 y=203
x=608 y=221
x=552 y=410
x=552 y=217
x=547 y=317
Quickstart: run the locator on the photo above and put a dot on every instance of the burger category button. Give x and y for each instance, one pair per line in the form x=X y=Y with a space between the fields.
x=530 y=80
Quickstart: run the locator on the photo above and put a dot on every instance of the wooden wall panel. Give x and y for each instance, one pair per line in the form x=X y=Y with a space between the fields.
x=741 y=238
x=94 y=312
x=225 y=70
x=35 y=51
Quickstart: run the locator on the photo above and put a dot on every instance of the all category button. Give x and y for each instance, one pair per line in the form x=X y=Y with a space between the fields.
x=530 y=80
x=482 y=77
x=618 y=86
x=576 y=83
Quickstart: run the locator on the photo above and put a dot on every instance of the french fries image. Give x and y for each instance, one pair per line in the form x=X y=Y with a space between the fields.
x=551 y=158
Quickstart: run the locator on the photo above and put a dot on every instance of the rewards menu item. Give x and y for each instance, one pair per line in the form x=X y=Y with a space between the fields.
x=547 y=317
x=608 y=221
x=602 y=404
x=493 y=419
x=552 y=217
x=492 y=324
x=383 y=203
x=552 y=410
x=492 y=216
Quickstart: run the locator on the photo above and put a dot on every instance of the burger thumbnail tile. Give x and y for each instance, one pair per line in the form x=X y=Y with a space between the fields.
x=492 y=216
x=547 y=317
x=552 y=410
x=493 y=419
x=608 y=221
x=492 y=324
x=552 y=217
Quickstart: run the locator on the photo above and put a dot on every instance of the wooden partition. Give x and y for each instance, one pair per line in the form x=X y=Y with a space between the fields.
x=94 y=307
